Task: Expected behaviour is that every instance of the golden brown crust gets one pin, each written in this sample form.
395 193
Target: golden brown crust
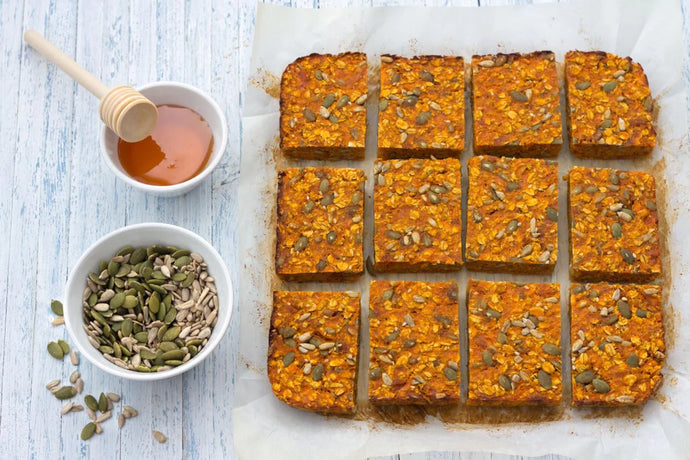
614 227
319 226
609 106
617 337
414 344
417 215
514 343
512 215
516 105
322 112
421 107
312 353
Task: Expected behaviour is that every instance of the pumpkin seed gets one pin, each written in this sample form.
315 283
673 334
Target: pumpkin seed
488 358
600 386
544 379
423 118
606 124
641 313
616 230
648 103
502 338
584 377
628 256
512 226
288 358
552 214
624 309
55 350
328 100
451 374
512 186
610 86
65 392
342 102
301 244
518 96
102 402
504 382
88 431
56 306
551 349
64 346
91 402
383 104
491 313
317 373
309 115
582 85
633 360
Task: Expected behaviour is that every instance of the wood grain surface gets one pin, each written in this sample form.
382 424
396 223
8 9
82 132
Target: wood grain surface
57 197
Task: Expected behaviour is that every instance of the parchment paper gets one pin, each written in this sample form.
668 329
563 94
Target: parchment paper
649 32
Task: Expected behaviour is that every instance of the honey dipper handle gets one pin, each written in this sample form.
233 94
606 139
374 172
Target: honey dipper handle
71 68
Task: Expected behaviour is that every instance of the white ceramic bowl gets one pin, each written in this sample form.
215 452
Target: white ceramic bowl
168 92
145 235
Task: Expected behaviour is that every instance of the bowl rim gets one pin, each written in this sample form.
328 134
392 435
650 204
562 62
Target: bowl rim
190 183
219 330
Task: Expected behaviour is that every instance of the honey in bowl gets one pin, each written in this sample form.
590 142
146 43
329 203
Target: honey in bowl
177 150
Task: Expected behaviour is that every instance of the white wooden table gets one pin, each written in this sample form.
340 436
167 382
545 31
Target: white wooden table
57 197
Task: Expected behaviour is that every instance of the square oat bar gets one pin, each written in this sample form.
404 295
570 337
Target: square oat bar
322 112
417 215
421 107
319 226
414 344
614 226
609 106
514 343
516 105
312 352
617 337
512 215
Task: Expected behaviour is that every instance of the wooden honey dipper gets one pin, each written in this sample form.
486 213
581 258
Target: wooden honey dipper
123 109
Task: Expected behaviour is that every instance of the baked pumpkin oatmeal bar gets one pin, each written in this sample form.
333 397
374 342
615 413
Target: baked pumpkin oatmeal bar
516 105
322 107
617 337
417 215
319 225
514 343
414 344
609 106
512 215
312 352
421 107
614 226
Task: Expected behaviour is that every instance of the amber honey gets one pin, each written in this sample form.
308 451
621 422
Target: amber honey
177 150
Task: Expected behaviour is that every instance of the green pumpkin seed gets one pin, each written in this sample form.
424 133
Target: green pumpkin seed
172 354
641 313
65 392
64 346
301 244
628 256
331 237
610 86
309 115
288 358
551 349
147 354
584 377
375 373
327 199
102 402
393 234
616 230
173 362
600 386
606 124
491 313
633 360
141 337
624 309
505 382
544 379
383 104
130 302
55 350
423 118
342 102
392 336
328 100
167 346
182 261
488 358
56 306
426 76
286 332
317 372
451 374
323 186
171 334
138 256
519 96
154 303
124 251
113 268
502 338
91 402
582 85
512 226
552 214
88 431
512 186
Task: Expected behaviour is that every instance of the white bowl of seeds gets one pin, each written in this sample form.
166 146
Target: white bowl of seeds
148 301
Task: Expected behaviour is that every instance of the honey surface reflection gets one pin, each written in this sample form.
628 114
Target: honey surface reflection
177 150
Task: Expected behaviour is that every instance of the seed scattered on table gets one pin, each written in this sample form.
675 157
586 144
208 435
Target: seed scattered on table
158 436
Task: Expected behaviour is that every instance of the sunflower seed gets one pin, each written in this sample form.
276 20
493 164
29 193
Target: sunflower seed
121 420
158 436
74 358
386 379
